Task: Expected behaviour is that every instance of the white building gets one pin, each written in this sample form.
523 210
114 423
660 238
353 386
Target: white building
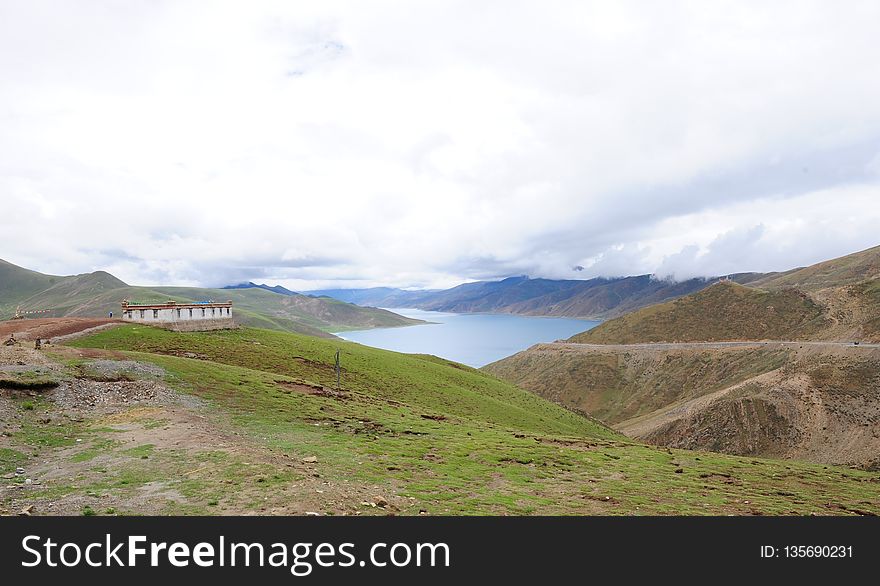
201 315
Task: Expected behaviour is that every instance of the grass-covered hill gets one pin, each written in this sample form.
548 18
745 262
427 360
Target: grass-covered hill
17 283
423 382
724 311
98 293
249 421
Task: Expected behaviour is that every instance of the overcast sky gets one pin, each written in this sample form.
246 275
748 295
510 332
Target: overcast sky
422 144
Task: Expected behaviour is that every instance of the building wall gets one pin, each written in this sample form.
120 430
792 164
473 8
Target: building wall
178 314
183 319
197 325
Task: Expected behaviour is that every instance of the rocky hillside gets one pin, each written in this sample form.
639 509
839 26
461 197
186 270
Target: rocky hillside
822 406
812 401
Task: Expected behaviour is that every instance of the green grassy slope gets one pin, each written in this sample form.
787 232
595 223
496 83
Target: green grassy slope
17 284
724 311
81 295
416 380
431 435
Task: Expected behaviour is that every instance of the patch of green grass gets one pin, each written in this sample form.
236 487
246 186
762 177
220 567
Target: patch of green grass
143 452
52 435
29 380
149 423
98 447
10 459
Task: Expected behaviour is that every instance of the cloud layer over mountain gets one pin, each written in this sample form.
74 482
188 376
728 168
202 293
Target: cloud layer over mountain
422 144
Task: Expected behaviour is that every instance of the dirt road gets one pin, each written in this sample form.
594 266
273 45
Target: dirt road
56 328
710 345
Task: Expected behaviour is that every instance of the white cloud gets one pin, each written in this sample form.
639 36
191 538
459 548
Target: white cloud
404 144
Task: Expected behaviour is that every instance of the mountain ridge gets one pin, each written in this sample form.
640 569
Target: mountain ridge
98 293
597 298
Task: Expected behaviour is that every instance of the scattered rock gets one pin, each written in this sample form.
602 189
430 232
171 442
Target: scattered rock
310 459
433 417
19 471
27 511
380 502
679 470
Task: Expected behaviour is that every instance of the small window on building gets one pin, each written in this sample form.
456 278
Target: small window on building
142 314
190 312
203 312
213 312
178 314
155 314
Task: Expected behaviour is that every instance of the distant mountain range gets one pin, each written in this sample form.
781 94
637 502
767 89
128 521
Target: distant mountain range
250 285
599 298
99 293
835 300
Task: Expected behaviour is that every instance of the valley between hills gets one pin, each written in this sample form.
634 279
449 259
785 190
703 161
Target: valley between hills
733 399
787 366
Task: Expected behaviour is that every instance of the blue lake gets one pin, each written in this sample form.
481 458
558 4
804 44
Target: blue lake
475 339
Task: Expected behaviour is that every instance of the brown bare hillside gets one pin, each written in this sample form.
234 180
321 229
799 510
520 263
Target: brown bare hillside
824 408
614 383
813 401
846 270
724 311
